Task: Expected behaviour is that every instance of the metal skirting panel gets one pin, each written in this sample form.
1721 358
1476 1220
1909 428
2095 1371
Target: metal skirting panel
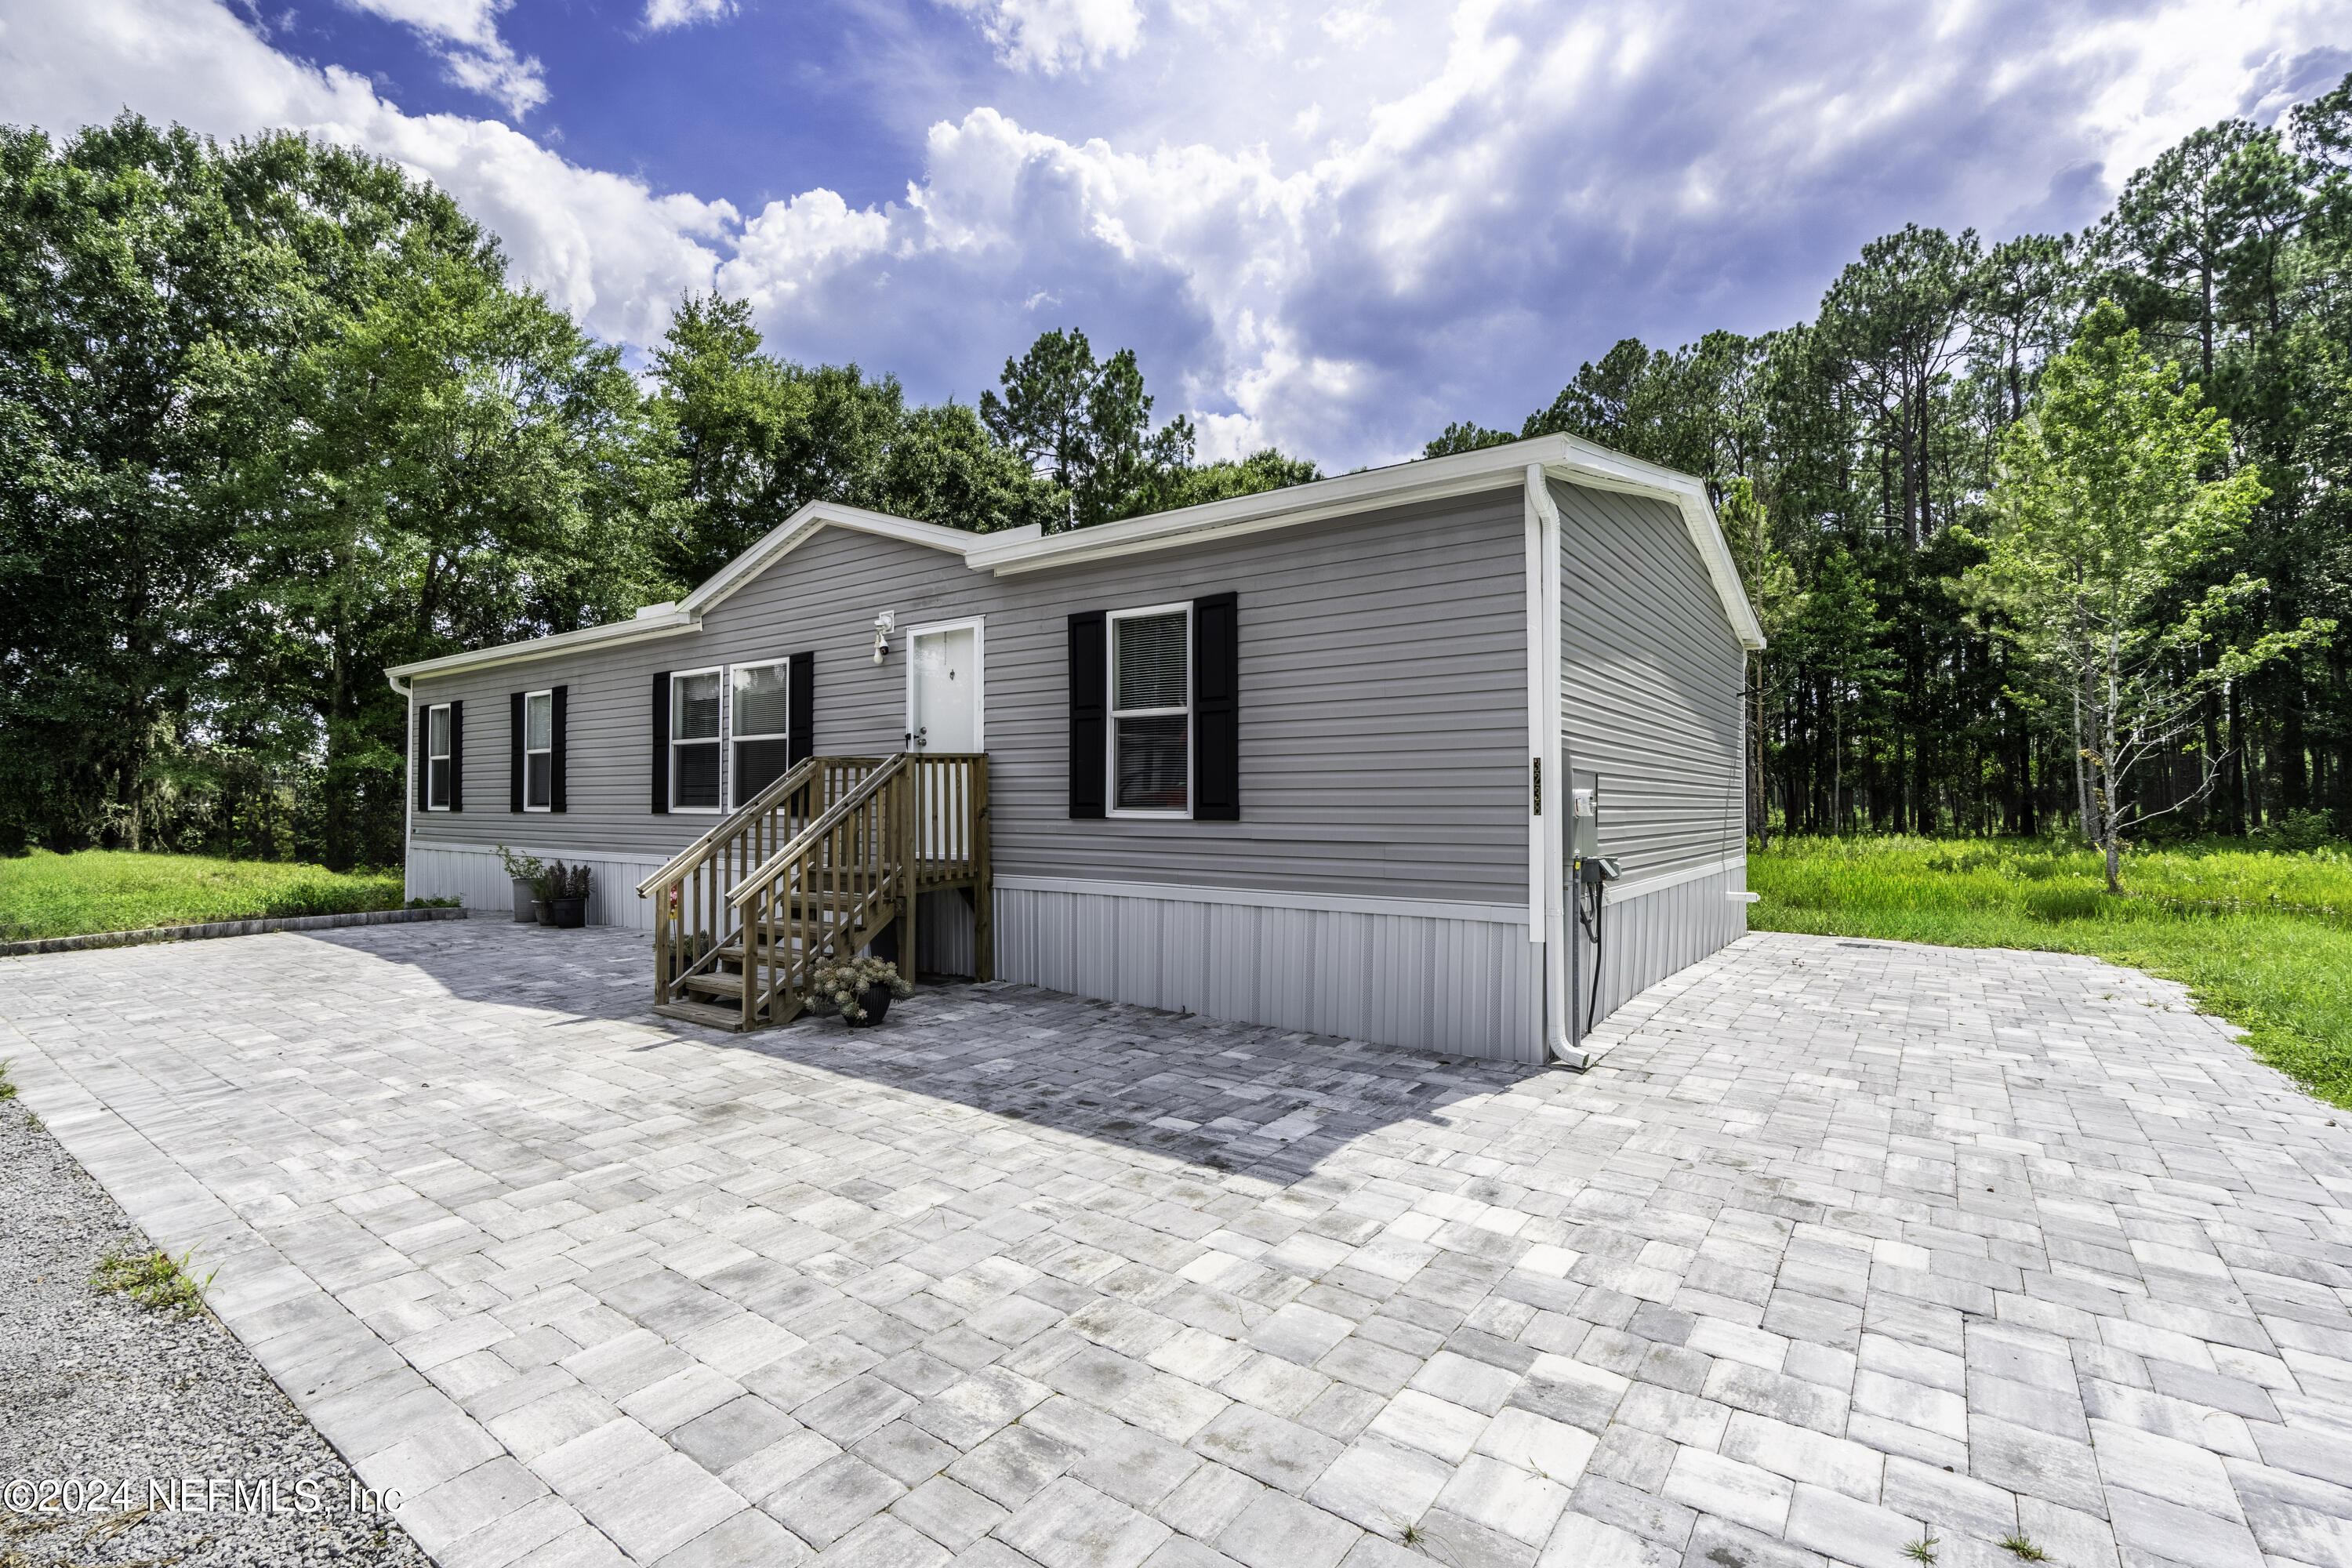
1471 987
478 879
943 934
1652 936
943 930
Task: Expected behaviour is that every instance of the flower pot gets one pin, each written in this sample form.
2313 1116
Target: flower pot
544 911
567 913
525 906
876 1002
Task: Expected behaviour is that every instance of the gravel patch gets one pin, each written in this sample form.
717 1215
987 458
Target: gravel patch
142 1409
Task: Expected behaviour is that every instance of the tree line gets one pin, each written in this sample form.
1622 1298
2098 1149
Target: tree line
1868 462
273 417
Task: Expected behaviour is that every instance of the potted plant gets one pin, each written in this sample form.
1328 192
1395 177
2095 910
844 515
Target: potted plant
567 897
859 989
526 870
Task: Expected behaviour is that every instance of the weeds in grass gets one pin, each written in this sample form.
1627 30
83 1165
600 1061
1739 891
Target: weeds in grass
154 1278
1411 1534
2022 1549
104 1531
2260 937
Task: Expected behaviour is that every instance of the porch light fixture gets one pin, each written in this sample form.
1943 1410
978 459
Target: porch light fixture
884 624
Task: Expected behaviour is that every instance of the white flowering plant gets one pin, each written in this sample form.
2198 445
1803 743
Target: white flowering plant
840 984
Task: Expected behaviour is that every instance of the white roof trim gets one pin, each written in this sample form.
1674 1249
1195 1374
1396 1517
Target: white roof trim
686 615
796 530
1030 548
1565 458
669 623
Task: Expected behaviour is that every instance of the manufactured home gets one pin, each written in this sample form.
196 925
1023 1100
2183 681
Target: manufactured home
1446 755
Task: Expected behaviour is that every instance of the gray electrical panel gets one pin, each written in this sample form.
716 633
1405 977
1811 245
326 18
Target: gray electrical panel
1583 814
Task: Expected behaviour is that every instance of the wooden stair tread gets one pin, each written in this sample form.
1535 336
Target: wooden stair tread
702 1012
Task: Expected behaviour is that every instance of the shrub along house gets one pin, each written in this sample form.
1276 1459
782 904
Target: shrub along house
1299 758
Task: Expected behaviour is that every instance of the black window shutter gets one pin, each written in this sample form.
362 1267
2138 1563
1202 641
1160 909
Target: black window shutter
421 768
800 709
555 756
1089 725
661 744
1216 709
456 756
514 754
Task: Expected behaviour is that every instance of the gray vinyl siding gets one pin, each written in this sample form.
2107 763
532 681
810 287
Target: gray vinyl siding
1382 712
1651 674
822 597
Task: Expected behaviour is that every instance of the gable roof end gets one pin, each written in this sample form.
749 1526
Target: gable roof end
685 615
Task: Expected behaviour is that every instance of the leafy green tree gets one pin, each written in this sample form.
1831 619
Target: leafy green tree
759 437
1266 470
126 254
2101 510
1086 428
1836 636
2168 247
1892 321
2018 311
450 464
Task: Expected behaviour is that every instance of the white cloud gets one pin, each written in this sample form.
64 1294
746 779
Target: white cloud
603 247
795 244
465 34
661 15
1436 216
1054 36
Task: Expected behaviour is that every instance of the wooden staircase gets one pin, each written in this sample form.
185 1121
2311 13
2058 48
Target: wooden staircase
832 856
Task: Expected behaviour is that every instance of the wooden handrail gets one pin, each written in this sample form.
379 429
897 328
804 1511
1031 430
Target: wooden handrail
876 834
799 773
755 880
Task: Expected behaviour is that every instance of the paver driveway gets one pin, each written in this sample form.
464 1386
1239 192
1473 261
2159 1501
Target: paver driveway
1841 1244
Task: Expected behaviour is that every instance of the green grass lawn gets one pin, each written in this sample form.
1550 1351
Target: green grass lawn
2263 939
108 890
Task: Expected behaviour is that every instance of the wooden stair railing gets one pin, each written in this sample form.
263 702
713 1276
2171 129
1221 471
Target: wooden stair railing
884 831
692 919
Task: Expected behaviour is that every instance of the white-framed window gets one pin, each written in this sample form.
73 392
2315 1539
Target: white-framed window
539 751
696 698
436 757
1151 712
761 696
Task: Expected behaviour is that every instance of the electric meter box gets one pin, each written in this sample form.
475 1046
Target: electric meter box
1584 821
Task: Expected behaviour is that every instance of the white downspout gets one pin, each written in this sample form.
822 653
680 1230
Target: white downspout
1546 805
408 790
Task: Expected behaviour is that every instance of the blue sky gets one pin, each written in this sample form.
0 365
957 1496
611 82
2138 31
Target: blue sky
1334 224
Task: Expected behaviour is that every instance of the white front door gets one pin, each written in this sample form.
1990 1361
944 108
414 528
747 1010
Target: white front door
943 716
943 699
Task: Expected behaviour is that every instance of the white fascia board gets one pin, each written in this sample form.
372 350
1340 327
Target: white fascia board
1568 458
1705 532
687 616
644 629
1399 484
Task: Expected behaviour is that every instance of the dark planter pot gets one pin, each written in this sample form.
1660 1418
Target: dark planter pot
877 1004
544 911
564 914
